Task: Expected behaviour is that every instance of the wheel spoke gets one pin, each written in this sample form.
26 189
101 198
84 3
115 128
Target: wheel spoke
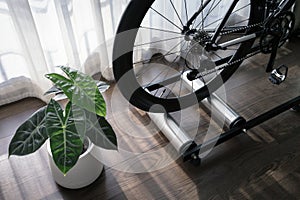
186 13
166 54
166 19
201 22
172 64
158 75
158 85
174 38
159 57
214 22
176 13
169 52
208 12
241 8
164 78
159 29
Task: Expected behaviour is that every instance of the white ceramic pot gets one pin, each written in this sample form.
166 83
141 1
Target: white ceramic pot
85 172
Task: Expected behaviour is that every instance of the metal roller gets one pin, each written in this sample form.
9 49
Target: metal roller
222 111
177 137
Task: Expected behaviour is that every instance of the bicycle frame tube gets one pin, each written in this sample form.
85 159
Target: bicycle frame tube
226 17
195 15
238 40
284 5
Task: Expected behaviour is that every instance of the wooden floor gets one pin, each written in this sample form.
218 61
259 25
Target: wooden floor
264 164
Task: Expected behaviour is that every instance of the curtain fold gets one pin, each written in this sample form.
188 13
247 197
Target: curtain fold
28 36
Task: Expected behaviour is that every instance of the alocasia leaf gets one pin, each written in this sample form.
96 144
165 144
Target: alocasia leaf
102 86
65 142
52 90
30 136
79 118
100 132
81 89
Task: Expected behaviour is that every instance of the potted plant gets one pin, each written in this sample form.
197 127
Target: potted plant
71 130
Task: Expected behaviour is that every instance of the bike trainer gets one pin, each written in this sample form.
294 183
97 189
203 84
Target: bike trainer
235 123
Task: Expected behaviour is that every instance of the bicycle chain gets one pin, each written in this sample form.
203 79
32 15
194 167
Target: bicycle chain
215 70
242 29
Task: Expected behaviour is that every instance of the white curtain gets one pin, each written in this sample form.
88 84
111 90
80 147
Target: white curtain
37 35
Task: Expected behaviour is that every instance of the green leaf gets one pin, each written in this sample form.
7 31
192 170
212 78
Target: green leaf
65 142
100 132
79 118
81 89
52 90
30 136
102 86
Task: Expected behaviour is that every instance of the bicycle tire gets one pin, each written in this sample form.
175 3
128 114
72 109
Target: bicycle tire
125 76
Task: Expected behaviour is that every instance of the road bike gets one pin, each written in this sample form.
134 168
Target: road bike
161 45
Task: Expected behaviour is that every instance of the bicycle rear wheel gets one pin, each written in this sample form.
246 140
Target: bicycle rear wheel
156 56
